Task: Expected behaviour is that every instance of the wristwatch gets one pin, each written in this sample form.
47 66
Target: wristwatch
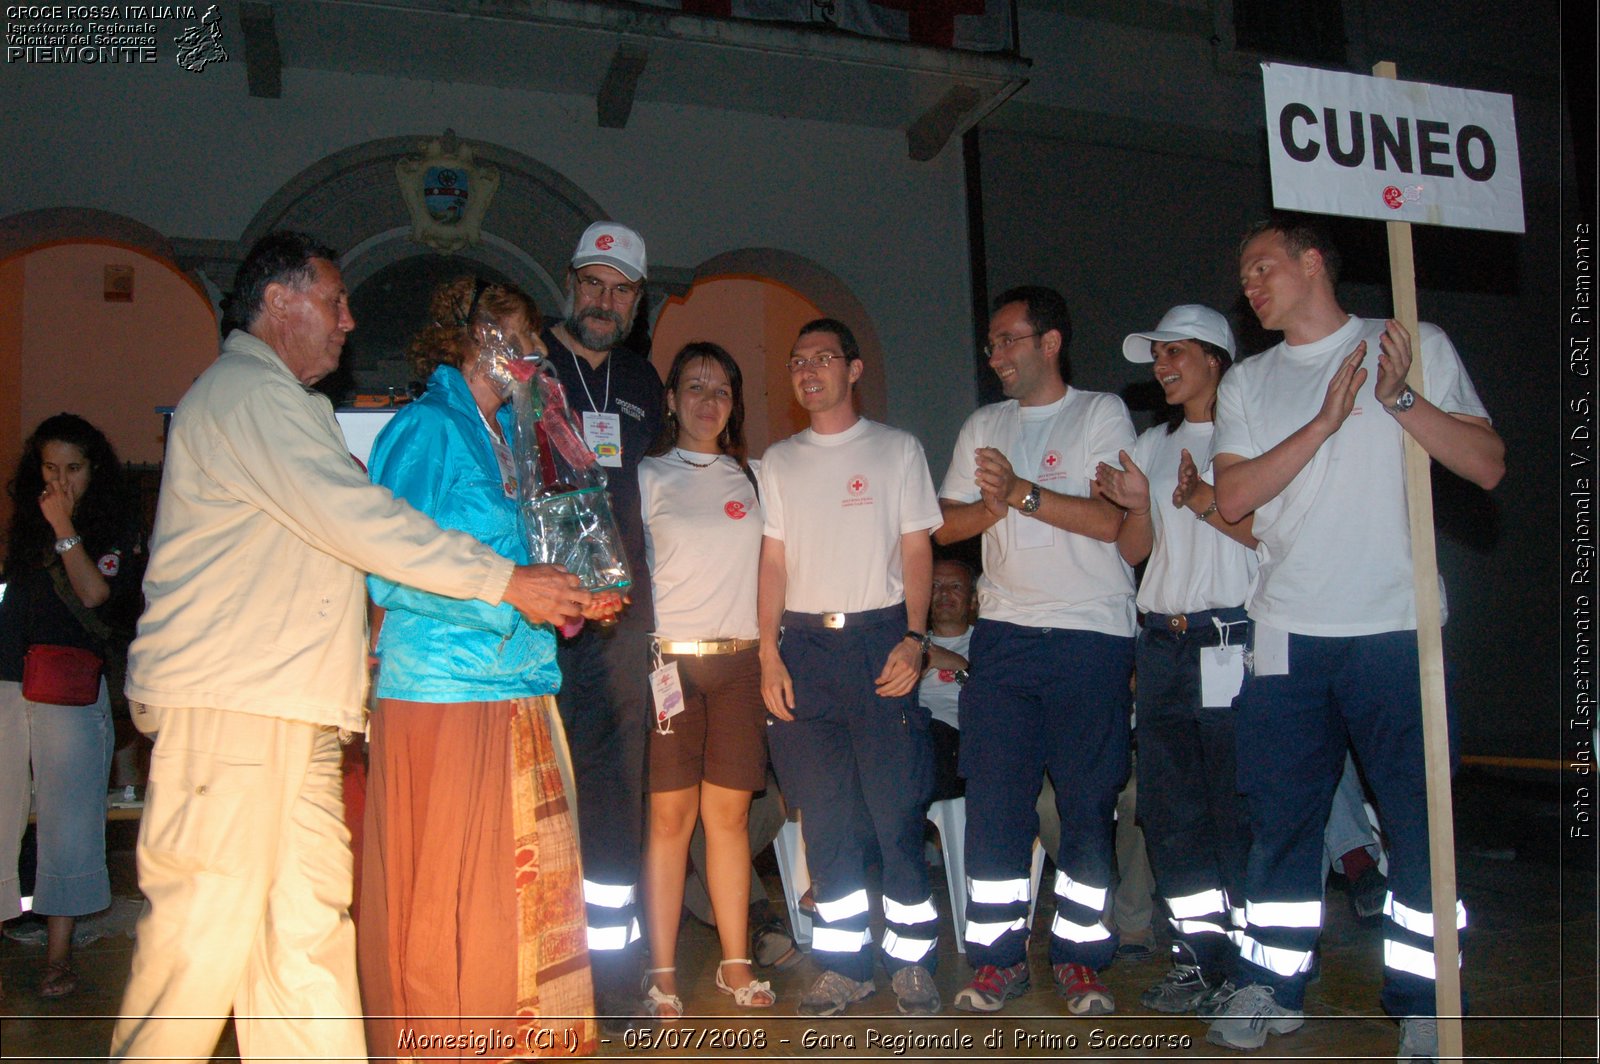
64 545
924 638
1030 501
1404 401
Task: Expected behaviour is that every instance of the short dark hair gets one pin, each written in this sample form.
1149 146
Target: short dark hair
281 257
1301 233
1046 309
847 339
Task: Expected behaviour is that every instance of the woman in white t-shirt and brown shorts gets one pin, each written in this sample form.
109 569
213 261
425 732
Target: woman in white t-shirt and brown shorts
703 522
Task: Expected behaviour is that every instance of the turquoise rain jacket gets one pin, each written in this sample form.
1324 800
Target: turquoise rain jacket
436 455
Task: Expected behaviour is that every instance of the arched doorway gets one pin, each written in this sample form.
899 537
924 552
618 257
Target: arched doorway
753 302
98 319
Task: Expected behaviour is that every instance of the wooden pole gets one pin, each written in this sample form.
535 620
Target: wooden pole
1430 657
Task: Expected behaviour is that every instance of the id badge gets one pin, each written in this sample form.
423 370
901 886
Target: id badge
1270 655
1221 674
667 692
602 433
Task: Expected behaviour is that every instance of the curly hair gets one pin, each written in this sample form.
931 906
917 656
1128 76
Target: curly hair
455 307
105 512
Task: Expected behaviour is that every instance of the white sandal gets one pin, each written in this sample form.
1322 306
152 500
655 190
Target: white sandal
756 994
662 1006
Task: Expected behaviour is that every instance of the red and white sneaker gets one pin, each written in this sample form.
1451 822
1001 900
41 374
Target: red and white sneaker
1085 995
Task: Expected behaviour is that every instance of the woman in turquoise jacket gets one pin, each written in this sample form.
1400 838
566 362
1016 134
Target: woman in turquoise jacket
471 893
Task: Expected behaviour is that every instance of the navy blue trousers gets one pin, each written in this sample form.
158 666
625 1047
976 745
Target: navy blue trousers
603 705
1042 699
1195 823
1292 736
859 767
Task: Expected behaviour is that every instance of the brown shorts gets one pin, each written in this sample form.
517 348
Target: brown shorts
721 735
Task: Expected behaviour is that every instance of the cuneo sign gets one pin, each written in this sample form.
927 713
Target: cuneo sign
1396 151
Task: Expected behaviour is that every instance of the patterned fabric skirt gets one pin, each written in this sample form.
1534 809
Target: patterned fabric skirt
471 935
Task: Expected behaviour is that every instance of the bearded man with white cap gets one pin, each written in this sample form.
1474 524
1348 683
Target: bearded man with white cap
617 394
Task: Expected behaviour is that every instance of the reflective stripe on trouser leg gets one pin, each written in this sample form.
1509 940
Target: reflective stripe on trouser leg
611 915
1408 942
1281 936
839 932
910 932
1078 909
994 907
1201 921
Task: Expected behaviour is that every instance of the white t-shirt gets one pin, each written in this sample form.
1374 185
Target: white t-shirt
939 693
1192 566
702 540
1067 580
840 504
1336 543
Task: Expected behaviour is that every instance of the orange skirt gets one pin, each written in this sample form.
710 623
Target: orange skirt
471 935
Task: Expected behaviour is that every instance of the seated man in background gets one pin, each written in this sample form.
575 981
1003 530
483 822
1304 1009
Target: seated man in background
955 600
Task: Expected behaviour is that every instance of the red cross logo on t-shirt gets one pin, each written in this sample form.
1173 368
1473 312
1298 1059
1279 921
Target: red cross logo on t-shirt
1052 459
857 485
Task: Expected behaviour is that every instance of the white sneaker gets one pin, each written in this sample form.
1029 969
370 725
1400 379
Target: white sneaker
1248 1016
1419 1039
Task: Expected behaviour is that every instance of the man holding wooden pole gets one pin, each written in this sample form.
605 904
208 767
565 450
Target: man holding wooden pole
1309 436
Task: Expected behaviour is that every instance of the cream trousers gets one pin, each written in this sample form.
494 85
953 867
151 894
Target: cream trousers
245 865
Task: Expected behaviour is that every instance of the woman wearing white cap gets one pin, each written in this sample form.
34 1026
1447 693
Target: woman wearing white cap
1191 599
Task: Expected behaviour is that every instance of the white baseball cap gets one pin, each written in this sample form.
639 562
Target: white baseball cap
1187 322
614 245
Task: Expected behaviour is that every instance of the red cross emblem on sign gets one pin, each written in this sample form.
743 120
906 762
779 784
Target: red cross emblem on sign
857 485
1052 460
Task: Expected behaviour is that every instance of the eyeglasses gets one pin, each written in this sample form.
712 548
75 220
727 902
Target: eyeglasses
594 289
796 365
990 349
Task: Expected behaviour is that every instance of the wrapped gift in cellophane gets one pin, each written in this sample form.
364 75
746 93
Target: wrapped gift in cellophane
561 487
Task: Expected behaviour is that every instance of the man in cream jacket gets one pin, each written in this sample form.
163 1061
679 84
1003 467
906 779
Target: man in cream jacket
250 667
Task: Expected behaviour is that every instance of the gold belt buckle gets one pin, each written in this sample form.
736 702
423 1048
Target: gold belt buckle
1179 623
833 620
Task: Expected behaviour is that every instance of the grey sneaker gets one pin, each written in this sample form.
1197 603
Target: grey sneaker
832 993
914 988
1248 1016
992 987
1419 1038
1183 988
1210 1006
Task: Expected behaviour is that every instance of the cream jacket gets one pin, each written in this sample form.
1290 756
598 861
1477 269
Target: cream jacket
255 595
